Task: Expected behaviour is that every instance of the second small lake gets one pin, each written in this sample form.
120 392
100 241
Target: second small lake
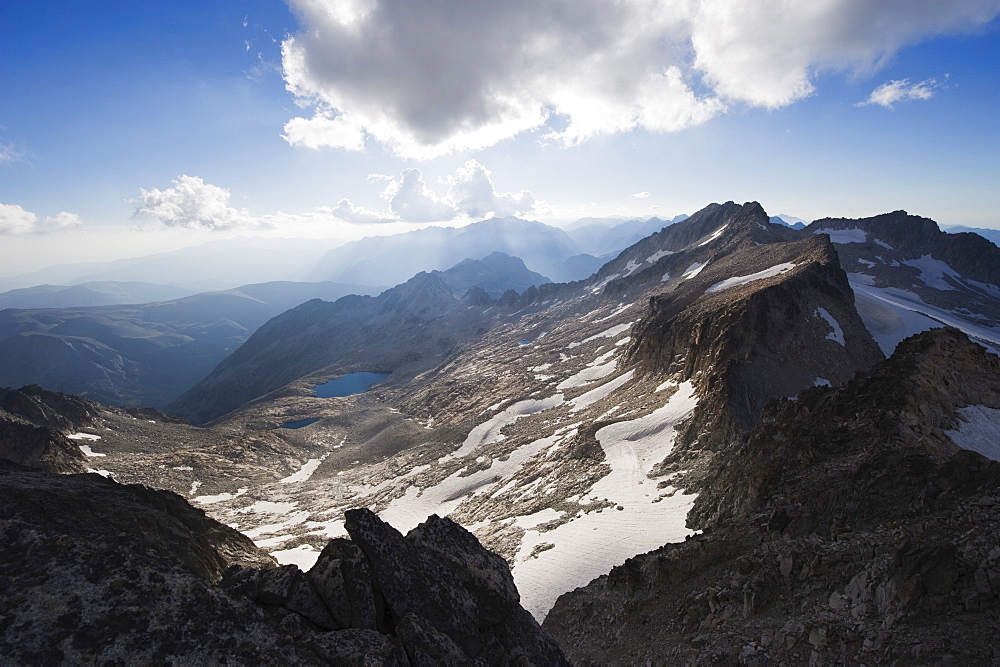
348 385
300 423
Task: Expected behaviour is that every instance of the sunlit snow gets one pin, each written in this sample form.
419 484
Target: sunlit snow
591 544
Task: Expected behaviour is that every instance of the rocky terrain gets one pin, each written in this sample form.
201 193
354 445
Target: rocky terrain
847 528
95 572
574 427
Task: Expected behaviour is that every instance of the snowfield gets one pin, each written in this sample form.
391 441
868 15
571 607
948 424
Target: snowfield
644 518
775 270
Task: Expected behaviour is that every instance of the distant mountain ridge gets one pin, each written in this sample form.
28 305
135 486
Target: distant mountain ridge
106 293
415 322
144 354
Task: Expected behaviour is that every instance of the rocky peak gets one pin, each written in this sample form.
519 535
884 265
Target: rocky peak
913 237
761 323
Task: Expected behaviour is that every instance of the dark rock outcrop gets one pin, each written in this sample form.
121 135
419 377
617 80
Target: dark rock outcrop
438 581
92 571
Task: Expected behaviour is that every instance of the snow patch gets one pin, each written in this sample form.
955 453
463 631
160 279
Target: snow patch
775 270
303 555
659 254
489 431
83 436
587 375
714 235
632 267
305 472
208 500
416 504
837 334
87 451
594 395
607 333
933 271
980 431
693 270
821 382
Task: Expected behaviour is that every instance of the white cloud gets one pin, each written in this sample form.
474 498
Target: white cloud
473 193
900 90
15 220
63 221
194 204
425 79
345 210
642 195
411 200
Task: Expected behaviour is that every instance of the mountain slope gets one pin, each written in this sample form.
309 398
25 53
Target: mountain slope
144 354
847 527
557 459
572 427
89 294
909 276
408 327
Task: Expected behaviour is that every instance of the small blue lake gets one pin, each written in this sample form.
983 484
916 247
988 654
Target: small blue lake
300 423
348 385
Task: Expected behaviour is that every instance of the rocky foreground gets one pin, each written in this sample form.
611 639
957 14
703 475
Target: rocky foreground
92 571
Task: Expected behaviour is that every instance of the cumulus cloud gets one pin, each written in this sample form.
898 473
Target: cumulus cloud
471 192
194 204
63 221
901 90
642 195
15 220
427 79
411 200
345 210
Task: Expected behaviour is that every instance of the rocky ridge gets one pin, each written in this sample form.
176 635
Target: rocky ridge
847 527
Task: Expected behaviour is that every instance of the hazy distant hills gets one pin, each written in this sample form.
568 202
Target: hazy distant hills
106 293
394 259
217 265
992 235
601 237
143 354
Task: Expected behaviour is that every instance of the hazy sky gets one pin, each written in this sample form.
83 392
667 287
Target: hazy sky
127 126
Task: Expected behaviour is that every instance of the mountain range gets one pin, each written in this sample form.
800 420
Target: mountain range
735 442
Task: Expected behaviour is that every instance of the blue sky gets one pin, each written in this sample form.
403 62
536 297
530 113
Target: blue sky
127 127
